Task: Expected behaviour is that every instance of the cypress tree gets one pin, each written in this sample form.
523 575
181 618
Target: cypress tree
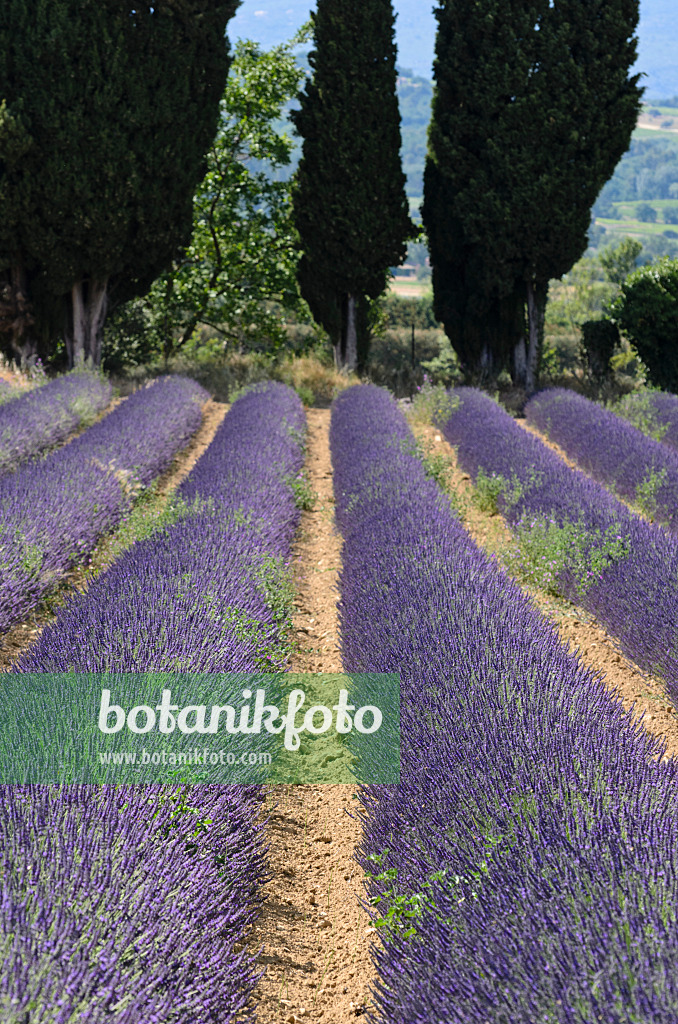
350 207
108 111
533 107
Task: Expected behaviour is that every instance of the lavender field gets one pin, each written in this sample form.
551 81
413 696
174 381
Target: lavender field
338 622
524 868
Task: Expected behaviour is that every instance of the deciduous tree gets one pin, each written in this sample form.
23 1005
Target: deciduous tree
646 310
244 250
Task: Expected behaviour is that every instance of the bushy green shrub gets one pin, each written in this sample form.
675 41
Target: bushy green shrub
647 312
599 339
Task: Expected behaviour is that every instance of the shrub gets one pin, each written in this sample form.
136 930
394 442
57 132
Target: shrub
598 340
646 213
647 312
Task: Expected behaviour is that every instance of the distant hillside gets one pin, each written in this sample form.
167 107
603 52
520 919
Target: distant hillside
273 21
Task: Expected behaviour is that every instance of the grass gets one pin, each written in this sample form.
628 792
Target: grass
635 227
666 111
655 133
409 289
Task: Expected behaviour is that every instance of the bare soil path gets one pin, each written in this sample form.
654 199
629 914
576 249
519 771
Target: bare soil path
20 637
313 932
645 694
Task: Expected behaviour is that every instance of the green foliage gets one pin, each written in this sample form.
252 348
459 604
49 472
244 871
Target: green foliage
444 367
618 261
238 273
349 200
599 339
488 490
647 491
432 403
517 155
274 578
401 912
436 468
547 550
401 312
647 313
638 410
646 213
107 117
304 495
583 294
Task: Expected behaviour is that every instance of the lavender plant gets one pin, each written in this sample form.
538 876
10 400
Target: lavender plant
44 417
653 412
182 593
54 510
616 565
525 868
7 392
140 900
618 455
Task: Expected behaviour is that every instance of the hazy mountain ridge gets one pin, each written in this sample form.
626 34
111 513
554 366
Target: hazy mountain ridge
273 21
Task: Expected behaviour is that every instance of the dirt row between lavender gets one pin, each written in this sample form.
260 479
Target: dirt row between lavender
22 634
314 932
644 694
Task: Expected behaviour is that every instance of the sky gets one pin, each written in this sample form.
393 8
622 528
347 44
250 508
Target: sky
273 21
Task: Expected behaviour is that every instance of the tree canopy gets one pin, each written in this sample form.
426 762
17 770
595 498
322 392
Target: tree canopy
350 206
646 311
108 111
533 107
239 268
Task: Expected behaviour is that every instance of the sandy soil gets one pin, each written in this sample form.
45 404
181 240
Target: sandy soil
645 694
313 932
23 634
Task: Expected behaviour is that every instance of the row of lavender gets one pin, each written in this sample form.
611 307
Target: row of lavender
527 863
653 412
43 418
612 451
113 917
53 511
614 564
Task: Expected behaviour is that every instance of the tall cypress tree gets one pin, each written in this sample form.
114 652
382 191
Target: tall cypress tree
109 110
533 108
350 206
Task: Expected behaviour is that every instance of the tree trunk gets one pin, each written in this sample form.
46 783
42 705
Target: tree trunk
486 362
16 317
346 350
85 323
351 334
520 364
536 309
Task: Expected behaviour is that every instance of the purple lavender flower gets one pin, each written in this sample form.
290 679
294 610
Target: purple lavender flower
526 867
612 451
53 511
44 417
633 595
116 909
